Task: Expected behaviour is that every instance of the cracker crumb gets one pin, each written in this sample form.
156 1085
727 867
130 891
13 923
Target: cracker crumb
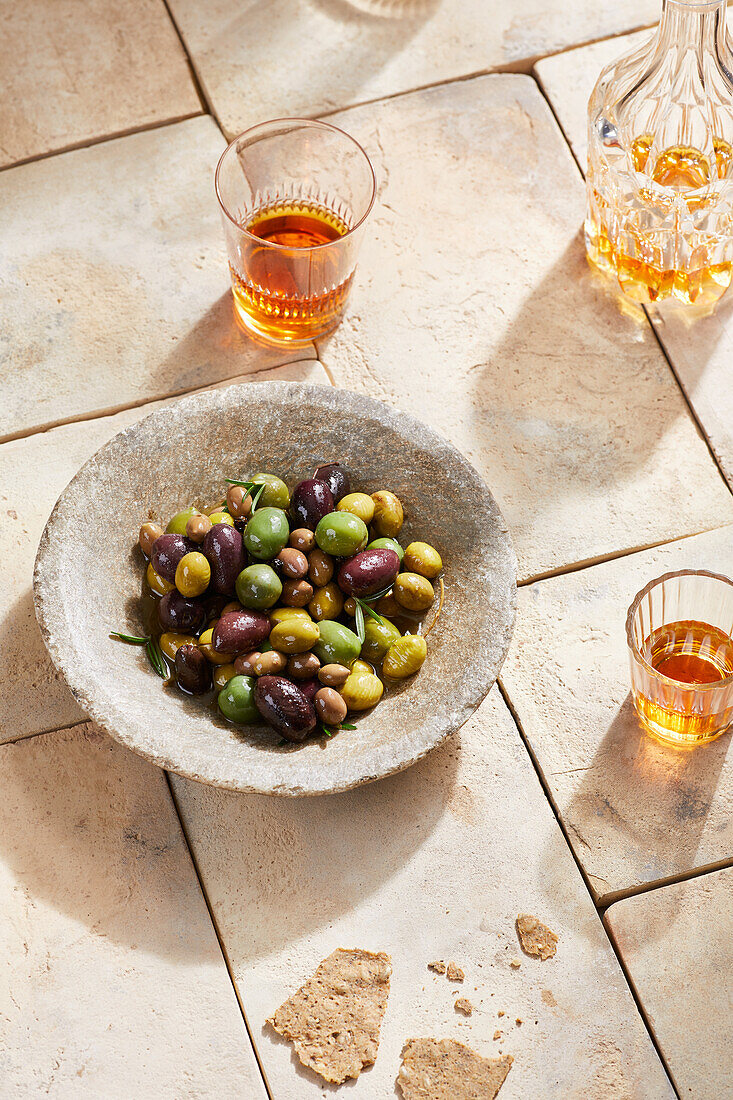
518 1022
515 964
500 1012
535 938
463 1005
449 1070
497 1034
438 966
454 973
548 998
333 1020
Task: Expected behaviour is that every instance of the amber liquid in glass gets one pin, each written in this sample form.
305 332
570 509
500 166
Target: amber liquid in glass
292 292
691 653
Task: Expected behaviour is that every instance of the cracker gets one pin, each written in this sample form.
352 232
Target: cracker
334 1019
454 973
443 1069
438 966
536 938
462 1004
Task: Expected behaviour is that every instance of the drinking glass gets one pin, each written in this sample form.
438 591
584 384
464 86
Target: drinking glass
678 631
295 196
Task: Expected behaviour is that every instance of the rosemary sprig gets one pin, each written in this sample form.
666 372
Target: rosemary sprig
245 484
131 639
155 657
369 610
359 621
343 726
347 726
377 595
256 498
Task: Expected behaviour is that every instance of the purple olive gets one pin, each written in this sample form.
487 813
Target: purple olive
166 553
336 478
368 572
310 687
224 551
310 502
240 632
180 614
285 707
193 671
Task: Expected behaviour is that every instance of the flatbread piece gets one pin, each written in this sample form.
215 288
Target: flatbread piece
334 1019
443 1069
535 937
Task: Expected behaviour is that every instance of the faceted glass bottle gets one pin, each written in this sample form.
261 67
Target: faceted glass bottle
660 160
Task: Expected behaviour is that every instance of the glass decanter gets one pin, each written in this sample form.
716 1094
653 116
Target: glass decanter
660 160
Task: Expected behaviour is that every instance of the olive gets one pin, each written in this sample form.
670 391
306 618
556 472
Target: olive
206 647
166 553
233 605
225 553
335 477
293 563
193 574
275 493
388 514
405 656
387 544
387 605
333 675
341 534
198 528
330 706
193 671
179 614
258 587
297 593
302 539
157 583
359 504
171 643
221 517
422 558
327 603
349 605
320 568
337 644
362 690
149 532
177 525
281 614
245 663
369 572
222 675
236 701
239 502
266 533
269 664
378 637
303 666
284 707
311 501
240 631
414 592
309 688
294 636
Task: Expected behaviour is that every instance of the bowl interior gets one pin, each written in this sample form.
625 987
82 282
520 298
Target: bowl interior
89 576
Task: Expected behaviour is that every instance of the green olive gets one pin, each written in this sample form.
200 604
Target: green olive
258 587
422 558
387 544
327 602
222 675
337 644
159 585
341 534
405 656
275 494
221 517
359 504
177 525
294 636
266 533
237 701
414 592
193 574
378 637
388 513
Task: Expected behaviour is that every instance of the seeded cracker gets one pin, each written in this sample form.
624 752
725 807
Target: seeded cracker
438 966
443 1069
462 1004
454 973
334 1019
535 937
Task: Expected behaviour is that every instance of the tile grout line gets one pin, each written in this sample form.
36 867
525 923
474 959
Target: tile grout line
217 932
196 77
548 795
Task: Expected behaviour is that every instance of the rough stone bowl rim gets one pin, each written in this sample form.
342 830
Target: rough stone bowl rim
62 652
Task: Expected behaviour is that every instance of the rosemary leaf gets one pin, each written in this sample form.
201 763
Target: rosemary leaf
131 639
347 726
359 622
328 732
256 498
156 659
245 484
377 595
369 610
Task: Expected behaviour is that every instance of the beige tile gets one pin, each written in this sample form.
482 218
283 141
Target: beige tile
291 57
113 279
114 983
635 811
475 310
700 348
433 863
676 943
74 73
33 471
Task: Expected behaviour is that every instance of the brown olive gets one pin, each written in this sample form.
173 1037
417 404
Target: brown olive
193 671
296 593
320 568
302 539
149 532
330 707
269 664
239 502
333 675
293 563
285 707
388 606
197 528
233 605
350 606
303 666
388 514
245 663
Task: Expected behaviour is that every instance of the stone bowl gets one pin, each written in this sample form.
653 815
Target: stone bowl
89 570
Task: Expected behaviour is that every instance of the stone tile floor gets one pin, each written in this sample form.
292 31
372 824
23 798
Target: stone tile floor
150 936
